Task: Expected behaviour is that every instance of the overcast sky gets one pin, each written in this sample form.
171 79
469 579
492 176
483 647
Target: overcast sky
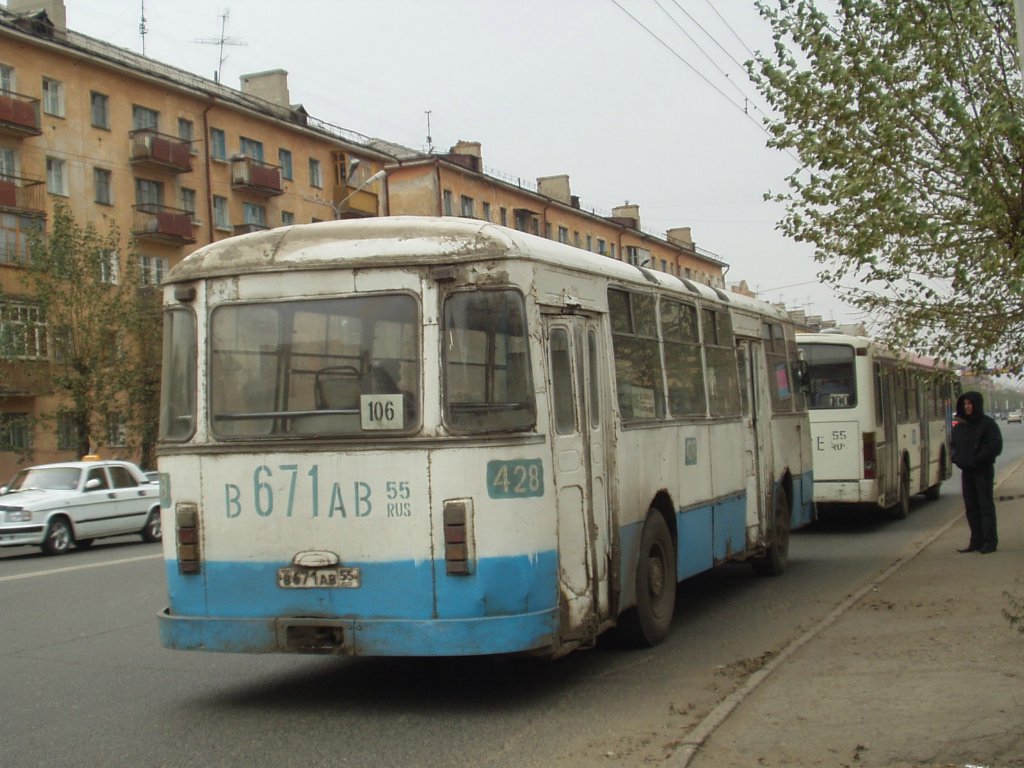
547 87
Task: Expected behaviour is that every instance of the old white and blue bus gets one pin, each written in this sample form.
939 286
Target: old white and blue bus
880 422
436 436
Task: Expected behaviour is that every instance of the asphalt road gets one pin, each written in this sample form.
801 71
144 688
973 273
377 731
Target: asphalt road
84 680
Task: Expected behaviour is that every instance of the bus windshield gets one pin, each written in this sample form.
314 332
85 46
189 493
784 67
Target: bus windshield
327 366
831 373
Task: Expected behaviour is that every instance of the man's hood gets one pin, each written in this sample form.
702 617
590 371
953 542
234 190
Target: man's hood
975 398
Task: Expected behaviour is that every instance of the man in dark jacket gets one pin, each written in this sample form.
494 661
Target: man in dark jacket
976 443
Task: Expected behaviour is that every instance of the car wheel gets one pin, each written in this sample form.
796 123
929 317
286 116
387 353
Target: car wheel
776 555
58 537
648 623
152 531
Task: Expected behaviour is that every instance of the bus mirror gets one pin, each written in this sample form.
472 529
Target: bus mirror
803 377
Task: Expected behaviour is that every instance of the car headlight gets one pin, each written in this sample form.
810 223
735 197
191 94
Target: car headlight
19 516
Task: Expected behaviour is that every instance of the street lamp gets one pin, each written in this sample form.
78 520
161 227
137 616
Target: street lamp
339 206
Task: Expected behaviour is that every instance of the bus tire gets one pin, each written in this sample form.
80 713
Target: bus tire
58 537
932 492
902 507
649 621
776 555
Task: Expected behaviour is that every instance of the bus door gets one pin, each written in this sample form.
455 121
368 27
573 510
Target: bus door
578 443
886 453
925 406
756 405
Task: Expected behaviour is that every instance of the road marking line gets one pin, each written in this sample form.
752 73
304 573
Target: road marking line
78 568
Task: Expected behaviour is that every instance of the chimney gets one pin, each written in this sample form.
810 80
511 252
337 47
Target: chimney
271 86
54 10
555 187
627 215
680 236
467 154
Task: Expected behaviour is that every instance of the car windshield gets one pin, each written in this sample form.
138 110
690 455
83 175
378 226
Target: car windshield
46 478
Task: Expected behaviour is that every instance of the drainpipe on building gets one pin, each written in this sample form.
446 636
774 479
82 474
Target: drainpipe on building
437 182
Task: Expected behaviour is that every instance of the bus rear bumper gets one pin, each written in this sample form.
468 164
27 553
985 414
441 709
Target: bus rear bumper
361 637
845 492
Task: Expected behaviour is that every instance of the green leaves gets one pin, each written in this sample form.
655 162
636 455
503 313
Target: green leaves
908 120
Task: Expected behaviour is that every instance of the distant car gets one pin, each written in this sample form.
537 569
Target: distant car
1013 417
56 505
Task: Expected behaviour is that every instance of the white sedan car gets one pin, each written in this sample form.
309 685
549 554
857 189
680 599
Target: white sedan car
56 505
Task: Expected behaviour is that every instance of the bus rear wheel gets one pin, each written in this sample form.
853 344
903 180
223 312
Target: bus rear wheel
776 556
648 623
902 507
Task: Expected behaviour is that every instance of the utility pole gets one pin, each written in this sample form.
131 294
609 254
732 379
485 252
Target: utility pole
142 27
221 42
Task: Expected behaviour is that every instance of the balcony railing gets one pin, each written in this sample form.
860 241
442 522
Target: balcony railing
19 114
22 194
157 150
362 202
25 378
162 224
255 176
245 229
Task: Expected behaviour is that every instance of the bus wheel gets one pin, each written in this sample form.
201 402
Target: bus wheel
648 623
932 492
902 508
58 537
776 555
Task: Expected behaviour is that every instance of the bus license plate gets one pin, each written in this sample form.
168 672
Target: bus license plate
309 578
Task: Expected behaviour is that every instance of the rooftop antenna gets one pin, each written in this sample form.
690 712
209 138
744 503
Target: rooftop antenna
142 27
221 42
430 141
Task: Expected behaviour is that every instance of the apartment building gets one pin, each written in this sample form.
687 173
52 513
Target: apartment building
177 161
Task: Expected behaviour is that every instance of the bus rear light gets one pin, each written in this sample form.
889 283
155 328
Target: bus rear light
870 459
458 536
186 525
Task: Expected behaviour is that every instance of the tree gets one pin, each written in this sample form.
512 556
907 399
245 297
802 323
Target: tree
907 119
103 329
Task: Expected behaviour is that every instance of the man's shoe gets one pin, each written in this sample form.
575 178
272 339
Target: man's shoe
968 548
988 549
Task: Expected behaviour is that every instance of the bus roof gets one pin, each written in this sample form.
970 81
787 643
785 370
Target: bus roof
419 240
865 342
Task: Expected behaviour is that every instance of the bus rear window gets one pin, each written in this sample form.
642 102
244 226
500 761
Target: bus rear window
315 367
831 376
487 382
178 383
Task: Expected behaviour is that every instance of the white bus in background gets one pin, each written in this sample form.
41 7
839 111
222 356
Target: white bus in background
436 436
880 422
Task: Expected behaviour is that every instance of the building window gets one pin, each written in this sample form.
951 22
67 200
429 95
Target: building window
22 331
188 202
590 243
487 211
56 177
8 164
16 232
149 193
14 432
109 268
503 216
67 433
53 97
99 110
101 181
152 269
255 215
466 206
287 218
284 159
576 238
449 203
563 234
117 430
315 179
145 118
220 212
251 148
186 130
601 247
612 246
547 230
218 144
7 83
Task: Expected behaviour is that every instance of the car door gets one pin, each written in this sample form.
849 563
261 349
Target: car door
91 509
129 500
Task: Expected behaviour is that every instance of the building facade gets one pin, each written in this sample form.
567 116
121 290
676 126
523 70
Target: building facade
177 161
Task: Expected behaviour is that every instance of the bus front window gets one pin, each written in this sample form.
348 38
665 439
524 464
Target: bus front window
315 367
487 382
830 372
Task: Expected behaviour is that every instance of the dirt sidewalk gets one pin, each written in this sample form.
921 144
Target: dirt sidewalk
922 670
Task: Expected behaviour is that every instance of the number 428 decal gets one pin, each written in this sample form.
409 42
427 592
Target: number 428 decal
515 479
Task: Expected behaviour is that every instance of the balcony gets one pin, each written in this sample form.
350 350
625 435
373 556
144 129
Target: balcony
254 176
150 149
352 202
19 115
245 229
25 378
23 195
158 223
